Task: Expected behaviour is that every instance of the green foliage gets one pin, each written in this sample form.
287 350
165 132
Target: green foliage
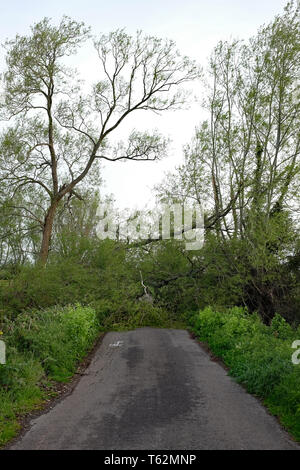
281 328
20 390
242 166
131 315
257 356
37 287
57 337
42 346
54 117
230 272
95 272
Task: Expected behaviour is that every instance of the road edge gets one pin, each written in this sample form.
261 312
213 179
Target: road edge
62 390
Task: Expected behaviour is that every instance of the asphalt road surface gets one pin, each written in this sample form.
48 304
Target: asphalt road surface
155 389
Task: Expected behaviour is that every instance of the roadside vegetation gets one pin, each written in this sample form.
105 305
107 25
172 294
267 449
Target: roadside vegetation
43 347
61 286
258 356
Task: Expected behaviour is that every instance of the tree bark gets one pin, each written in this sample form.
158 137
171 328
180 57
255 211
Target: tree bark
47 232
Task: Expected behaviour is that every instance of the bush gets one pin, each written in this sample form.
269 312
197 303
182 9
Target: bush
58 338
128 314
37 287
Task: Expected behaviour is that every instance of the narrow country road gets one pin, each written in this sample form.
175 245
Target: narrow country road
155 389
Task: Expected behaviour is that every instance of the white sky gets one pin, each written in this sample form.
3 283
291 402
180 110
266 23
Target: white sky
195 25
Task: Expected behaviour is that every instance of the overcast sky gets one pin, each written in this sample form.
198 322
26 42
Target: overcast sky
195 25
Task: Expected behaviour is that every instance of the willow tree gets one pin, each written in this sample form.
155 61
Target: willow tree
58 134
243 164
244 159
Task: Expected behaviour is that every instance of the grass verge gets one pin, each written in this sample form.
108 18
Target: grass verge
43 347
258 356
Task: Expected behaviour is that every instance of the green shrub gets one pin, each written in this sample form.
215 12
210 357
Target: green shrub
281 328
57 337
133 314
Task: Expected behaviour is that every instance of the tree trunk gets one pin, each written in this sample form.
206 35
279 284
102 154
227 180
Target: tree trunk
47 232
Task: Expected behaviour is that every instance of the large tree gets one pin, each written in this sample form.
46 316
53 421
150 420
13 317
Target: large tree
243 162
59 134
243 166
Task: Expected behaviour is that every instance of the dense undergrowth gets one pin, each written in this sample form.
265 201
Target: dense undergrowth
43 347
258 356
